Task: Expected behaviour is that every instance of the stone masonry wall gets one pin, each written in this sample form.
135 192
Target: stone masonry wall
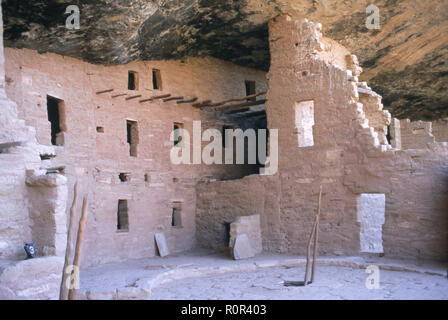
19 157
415 134
20 162
96 156
348 158
440 130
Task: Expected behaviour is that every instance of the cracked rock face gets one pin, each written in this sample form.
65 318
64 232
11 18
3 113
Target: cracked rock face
404 61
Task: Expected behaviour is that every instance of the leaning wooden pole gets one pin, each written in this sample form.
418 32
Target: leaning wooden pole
308 249
316 235
63 293
77 260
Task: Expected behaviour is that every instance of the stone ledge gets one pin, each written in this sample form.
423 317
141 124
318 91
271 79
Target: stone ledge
49 180
32 279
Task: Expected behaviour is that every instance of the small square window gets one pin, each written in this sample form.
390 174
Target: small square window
156 79
177 127
124 177
132 80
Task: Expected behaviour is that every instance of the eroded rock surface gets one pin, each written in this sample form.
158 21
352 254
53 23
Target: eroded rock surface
404 60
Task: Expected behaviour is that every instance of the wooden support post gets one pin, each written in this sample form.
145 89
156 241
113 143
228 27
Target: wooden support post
252 114
313 234
237 111
104 91
187 100
316 235
308 249
78 250
134 97
240 105
216 104
63 293
173 98
119 95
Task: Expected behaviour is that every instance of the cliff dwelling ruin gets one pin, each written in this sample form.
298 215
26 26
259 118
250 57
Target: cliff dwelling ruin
200 152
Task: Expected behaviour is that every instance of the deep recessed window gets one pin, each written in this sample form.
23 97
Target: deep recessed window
225 139
124 177
55 113
250 89
122 216
176 219
177 127
388 135
132 80
226 228
156 79
132 137
100 129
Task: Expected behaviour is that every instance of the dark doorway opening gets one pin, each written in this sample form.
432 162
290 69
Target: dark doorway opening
54 111
176 220
226 233
132 137
156 79
132 80
250 89
122 216
388 135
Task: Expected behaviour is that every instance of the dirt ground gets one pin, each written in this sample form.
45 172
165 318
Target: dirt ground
338 283
202 274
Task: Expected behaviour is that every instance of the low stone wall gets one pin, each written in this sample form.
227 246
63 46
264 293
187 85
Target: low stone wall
440 130
416 134
220 203
33 279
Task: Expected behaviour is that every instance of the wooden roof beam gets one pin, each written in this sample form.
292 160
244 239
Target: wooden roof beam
104 91
240 105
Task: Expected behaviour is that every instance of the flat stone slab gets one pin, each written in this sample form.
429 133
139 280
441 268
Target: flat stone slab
161 244
242 248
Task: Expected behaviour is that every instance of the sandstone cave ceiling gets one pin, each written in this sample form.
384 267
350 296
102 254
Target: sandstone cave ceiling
404 61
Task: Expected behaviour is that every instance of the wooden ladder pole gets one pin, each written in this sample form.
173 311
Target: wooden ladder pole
77 260
316 235
308 249
63 293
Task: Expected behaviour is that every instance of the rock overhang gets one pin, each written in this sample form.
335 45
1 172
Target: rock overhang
404 60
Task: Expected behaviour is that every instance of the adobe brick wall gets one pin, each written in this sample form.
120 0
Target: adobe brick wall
95 159
416 134
19 159
348 158
440 130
